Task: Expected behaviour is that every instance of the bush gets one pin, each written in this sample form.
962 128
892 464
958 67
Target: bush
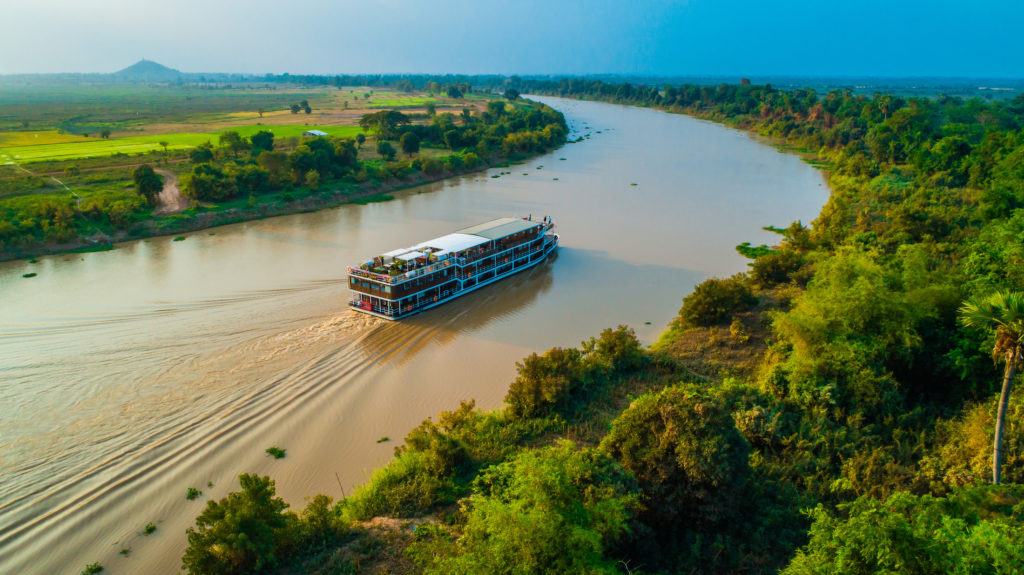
616 349
406 487
245 532
544 383
690 462
550 510
975 530
714 301
775 268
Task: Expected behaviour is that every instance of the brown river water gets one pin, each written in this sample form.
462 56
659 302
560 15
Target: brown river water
130 375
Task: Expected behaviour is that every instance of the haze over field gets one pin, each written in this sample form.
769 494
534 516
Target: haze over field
699 37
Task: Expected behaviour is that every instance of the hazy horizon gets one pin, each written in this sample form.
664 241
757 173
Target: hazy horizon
872 39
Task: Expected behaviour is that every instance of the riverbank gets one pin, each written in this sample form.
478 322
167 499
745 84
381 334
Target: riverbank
266 206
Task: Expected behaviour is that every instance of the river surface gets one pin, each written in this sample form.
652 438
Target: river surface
130 375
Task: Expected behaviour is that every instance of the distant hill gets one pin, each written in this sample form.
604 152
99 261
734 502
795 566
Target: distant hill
148 71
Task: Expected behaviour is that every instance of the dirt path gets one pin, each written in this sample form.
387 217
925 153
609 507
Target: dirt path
170 198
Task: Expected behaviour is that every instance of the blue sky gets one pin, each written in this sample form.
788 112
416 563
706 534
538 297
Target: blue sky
657 37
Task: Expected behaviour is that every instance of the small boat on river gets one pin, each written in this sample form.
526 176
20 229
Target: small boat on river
406 281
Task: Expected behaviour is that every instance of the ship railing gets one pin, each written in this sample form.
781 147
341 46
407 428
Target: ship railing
488 253
394 279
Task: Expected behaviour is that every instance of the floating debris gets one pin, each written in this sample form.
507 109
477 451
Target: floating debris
29 275
179 239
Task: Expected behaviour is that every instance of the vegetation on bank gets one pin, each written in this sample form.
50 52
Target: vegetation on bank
831 410
254 174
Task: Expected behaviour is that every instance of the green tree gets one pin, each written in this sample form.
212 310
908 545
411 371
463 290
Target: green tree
105 134
431 109
973 530
276 165
550 510
295 108
312 179
384 123
687 454
148 183
262 141
164 144
1004 312
454 92
202 153
511 94
410 143
245 532
360 139
386 150
714 301
545 383
232 141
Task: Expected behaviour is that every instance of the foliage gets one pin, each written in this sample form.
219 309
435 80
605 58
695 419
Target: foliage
550 510
715 300
973 530
410 143
545 382
385 150
148 183
276 452
689 459
242 533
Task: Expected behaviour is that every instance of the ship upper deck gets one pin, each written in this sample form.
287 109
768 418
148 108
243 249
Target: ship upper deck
437 251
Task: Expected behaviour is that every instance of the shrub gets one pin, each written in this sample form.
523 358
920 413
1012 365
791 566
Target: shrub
544 383
715 300
276 452
687 455
550 510
775 268
974 530
616 349
243 533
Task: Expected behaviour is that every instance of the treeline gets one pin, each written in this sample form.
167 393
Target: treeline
861 441
247 167
36 210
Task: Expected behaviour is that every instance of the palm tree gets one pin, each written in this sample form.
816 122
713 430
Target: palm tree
1003 311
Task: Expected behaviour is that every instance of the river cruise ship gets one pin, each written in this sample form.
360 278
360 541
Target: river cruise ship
406 281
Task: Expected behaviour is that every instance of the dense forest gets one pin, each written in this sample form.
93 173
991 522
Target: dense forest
831 410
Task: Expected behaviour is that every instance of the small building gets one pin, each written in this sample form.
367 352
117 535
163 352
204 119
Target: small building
314 134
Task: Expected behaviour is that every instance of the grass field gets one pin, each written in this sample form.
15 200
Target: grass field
50 146
390 101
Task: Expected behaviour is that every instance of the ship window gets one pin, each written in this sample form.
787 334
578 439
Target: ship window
387 289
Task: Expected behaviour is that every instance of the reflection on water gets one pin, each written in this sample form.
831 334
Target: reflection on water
127 376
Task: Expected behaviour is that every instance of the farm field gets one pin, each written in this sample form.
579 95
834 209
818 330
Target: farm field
53 146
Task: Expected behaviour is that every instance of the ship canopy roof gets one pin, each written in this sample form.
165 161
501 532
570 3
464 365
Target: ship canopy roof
499 228
464 238
451 243
410 255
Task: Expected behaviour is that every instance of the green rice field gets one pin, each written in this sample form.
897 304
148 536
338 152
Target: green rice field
95 147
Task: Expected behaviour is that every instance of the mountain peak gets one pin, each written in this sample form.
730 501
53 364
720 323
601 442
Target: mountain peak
148 70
